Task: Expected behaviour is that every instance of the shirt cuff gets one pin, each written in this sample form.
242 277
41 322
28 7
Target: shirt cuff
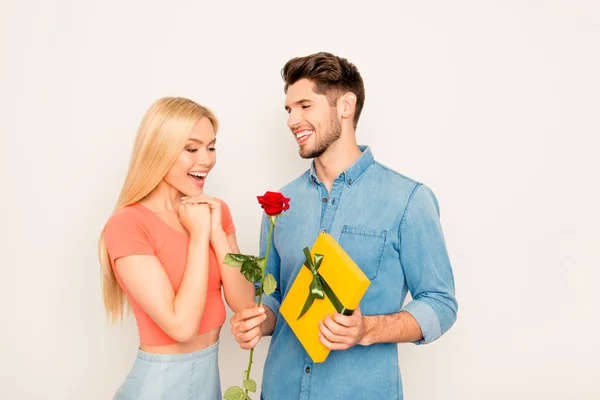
426 318
270 302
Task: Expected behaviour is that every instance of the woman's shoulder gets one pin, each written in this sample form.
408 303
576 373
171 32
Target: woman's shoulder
127 217
128 233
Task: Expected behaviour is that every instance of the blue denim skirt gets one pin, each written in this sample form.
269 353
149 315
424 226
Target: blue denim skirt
190 376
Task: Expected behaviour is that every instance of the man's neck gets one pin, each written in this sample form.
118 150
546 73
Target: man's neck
337 158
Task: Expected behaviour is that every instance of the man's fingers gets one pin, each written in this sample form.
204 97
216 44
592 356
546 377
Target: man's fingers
248 340
333 326
348 320
246 314
345 320
328 334
249 324
338 334
245 326
254 342
251 344
247 336
330 345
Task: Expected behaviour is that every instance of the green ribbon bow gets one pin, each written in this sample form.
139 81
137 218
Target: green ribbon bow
319 287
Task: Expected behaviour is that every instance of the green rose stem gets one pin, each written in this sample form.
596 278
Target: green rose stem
253 269
262 281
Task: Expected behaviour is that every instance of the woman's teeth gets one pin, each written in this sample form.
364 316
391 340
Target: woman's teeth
198 176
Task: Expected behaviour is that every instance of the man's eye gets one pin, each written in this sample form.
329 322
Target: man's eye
305 107
192 150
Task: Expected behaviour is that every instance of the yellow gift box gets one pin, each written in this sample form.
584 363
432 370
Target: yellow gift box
344 278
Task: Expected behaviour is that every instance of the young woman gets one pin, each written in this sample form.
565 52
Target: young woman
161 252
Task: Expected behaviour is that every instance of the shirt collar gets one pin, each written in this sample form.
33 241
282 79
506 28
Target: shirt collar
352 173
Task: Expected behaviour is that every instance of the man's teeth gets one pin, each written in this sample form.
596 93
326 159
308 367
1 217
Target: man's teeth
304 133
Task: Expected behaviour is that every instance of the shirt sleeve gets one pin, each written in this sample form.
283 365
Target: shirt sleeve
426 265
127 235
227 219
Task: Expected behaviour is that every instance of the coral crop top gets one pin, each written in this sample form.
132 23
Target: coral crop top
136 230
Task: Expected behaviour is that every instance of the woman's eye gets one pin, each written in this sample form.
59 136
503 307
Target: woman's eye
305 107
192 150
212 149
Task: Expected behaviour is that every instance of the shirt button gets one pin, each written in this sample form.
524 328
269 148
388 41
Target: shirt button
307 370
349 181
324 231
324 199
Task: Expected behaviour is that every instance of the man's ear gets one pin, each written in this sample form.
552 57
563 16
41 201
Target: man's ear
347 105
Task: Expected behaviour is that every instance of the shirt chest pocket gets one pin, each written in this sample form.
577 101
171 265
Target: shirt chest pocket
365 246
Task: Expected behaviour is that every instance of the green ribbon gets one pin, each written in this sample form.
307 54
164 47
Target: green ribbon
319 288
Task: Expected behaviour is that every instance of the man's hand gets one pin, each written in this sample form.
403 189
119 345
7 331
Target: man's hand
342 332
245 326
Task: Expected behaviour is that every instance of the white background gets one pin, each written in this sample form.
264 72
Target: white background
493 104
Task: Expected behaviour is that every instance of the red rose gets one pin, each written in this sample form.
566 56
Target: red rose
274 203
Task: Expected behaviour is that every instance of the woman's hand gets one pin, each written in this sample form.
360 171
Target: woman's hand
196 218
216 226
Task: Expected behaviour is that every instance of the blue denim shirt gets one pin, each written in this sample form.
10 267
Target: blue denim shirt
389 225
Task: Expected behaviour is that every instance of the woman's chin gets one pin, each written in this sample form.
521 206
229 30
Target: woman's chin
193 192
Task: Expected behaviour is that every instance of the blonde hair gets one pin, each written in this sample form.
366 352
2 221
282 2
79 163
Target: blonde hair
161 137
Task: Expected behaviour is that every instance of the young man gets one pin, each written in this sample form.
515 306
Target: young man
389 225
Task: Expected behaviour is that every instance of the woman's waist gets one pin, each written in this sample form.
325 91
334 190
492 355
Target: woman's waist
201 342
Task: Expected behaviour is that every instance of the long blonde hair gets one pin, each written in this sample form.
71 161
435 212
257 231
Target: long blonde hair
161 137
